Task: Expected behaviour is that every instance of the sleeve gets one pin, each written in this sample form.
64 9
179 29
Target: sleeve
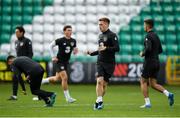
52 44
29 46
115 45
15 70
148 46
160 47
74 43
94 53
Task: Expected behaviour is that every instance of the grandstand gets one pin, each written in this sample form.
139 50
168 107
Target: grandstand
43 21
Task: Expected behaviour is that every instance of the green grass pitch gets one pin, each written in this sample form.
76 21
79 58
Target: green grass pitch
120 101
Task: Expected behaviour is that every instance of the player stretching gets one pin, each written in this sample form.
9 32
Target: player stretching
65 45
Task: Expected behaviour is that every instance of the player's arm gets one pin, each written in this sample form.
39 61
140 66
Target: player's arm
147 48
16 72
92 53
75 49
115 45
52 44
29 46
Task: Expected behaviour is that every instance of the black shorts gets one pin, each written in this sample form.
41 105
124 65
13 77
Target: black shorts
105 69
150 69
61 66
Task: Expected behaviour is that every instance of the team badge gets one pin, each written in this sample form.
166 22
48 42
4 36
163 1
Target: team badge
105 38
64 43
21 44
62 67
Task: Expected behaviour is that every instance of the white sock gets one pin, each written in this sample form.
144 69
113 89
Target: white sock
99 99
166 93
14 96
147 101
44 81
66 94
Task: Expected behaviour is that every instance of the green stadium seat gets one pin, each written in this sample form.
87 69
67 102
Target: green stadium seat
28 10
137 58
27 2
170 38
47 2
156 10
125 38
155 3
167 9
158 19
136 20
6 10
162 38
159 28
17 2
125 58
37 9
162 58
137 28
170 28
125 49
17 10
137 38
5 38
16 19
146 10
169 19
27 19
125 29
6 19
136 49
6 2
172 49
6 28
164 49
146 16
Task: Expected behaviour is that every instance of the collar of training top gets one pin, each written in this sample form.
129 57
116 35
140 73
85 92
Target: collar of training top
106 31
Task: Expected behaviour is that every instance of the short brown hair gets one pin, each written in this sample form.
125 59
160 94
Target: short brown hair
149 22
105 19
66 26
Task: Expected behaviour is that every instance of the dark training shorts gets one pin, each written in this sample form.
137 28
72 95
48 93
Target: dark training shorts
61 66
106 70
150 69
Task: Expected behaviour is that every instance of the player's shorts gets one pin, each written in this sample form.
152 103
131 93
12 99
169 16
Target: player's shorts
105 69
61 66
150 69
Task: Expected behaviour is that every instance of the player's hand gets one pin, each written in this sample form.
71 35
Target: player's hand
75 51
141 54
87 52
54 59
102 48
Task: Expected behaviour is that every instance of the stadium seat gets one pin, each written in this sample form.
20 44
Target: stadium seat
17 10
92 37
16 19
90 2
82 9
27 10
101 2
69 9
49 19
126 49
172 49
48 37
92 28
81 37
49 10
38 28
90 9
79 2
136 58
58 10
80 28
136 49
125 38
137 38
48 28
6 19
162 37
80 18
27 19
6 2
170 38
37 38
